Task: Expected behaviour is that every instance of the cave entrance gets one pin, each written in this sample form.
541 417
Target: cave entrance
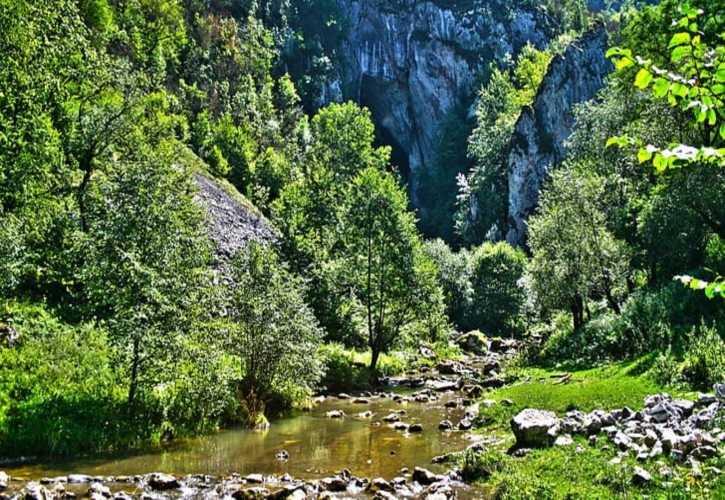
372 97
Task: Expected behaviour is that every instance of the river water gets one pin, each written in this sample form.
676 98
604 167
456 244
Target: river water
317 445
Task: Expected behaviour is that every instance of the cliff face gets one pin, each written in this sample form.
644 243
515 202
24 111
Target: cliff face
414 62
538 142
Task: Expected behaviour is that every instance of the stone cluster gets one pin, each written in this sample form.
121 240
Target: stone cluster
421 483
686 430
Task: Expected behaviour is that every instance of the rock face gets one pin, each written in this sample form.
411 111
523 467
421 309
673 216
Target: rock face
413 62
232 224
538 142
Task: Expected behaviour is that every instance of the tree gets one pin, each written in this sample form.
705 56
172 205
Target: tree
274 334
146 261
454 276
390 276
692 79
309 209
498 297
574 256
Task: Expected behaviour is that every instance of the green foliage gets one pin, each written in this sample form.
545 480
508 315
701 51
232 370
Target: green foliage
272 333
693 79
482 287
57 386
498 297
481 466
146 260
454 274
574 256
704 360
346 227
650 320
390 276
347 369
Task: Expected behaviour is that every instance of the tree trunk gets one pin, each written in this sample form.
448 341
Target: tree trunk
577 311
613 302
374 359
133 385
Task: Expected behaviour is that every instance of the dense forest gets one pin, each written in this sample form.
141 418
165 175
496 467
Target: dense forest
122 325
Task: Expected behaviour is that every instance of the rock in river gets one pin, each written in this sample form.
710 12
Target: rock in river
160 481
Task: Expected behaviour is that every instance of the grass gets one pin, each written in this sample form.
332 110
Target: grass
564 472
606 388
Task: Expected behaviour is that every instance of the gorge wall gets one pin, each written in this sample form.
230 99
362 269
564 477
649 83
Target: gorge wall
412 63
539 139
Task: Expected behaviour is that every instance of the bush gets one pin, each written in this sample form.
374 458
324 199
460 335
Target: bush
57 388
704 363
482 466
497 293
273 333
651 320
348 369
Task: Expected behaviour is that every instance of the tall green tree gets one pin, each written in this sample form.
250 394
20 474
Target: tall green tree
147 259
574 256
392 279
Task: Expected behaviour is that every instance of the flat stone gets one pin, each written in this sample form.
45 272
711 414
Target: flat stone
79 478
641 476
380 484
415 428
393 417
563 441
99 489
704 452
255 492
335 414
255 478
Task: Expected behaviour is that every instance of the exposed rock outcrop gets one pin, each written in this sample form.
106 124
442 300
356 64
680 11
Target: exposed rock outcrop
413 62
232 224
538 142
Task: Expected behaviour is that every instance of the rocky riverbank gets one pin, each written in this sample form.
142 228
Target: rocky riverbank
688 431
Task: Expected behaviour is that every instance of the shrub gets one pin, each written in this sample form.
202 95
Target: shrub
272 333
704 363
348 369
57 387
481 466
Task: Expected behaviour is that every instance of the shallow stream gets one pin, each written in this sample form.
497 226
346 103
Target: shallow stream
317 446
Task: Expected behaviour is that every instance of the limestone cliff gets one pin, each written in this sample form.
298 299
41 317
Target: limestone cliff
538 141
413 62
